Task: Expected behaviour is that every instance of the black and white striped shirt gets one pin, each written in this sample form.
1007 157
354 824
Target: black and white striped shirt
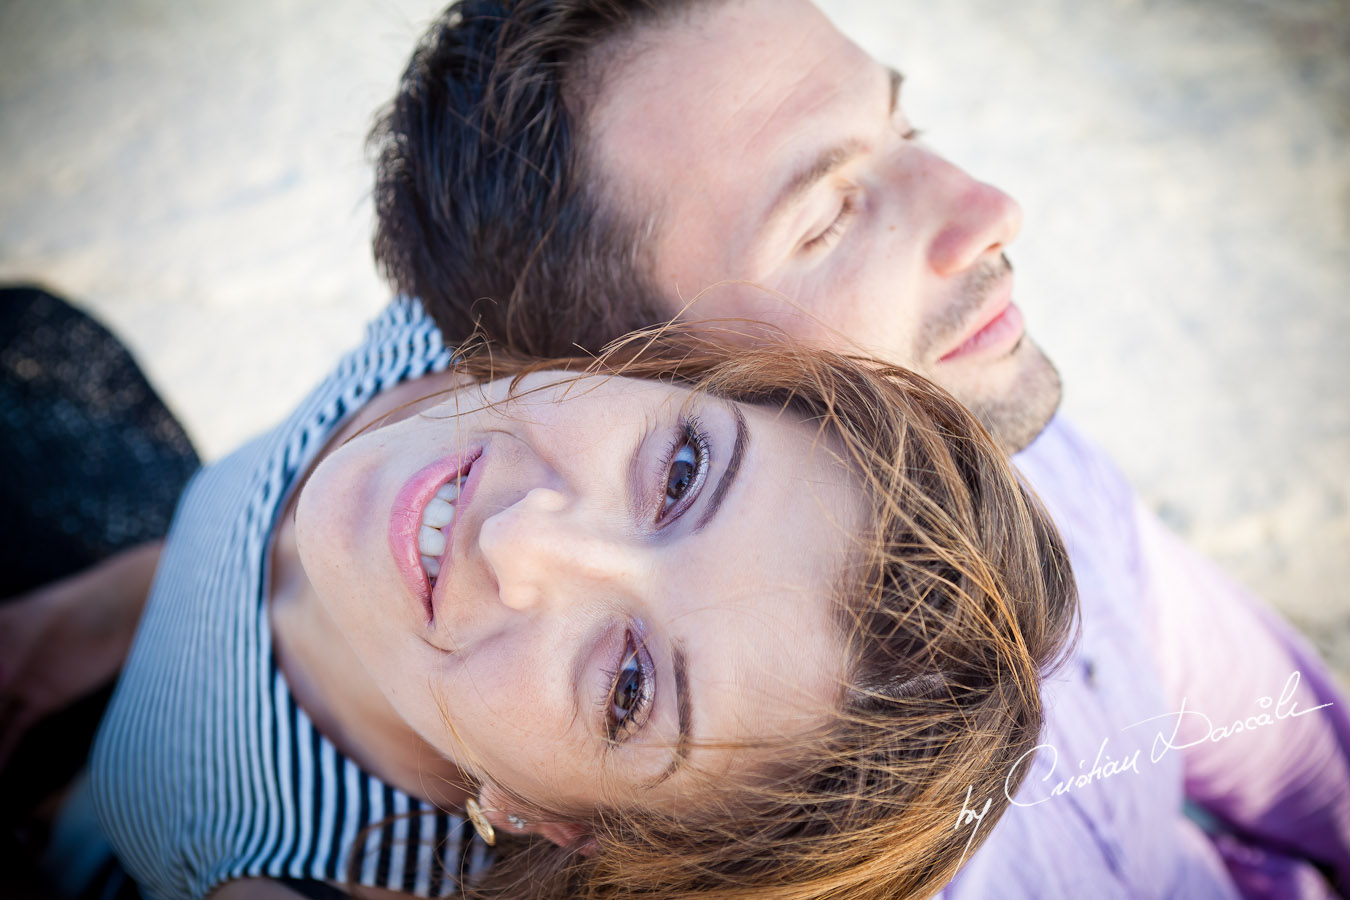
206 769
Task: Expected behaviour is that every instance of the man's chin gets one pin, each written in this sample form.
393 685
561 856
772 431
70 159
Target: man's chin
1020 407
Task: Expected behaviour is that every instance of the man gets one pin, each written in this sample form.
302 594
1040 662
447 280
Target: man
557 172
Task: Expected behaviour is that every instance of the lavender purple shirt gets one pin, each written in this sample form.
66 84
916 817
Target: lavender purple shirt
1184 702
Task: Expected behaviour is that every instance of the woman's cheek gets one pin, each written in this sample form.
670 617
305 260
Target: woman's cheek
492 700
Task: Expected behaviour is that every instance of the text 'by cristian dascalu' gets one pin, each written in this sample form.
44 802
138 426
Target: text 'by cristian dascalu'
1179 730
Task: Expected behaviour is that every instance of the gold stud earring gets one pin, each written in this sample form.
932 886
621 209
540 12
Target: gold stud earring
480 822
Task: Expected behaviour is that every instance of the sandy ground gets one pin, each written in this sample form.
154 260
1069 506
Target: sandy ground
195 174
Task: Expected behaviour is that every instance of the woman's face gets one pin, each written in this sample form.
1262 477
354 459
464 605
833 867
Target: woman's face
571 589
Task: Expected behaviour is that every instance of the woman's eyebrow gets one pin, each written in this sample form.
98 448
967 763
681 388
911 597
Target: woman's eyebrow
637 494
685 707
738 451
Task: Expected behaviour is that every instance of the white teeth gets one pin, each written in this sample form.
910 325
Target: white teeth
430 542
438 513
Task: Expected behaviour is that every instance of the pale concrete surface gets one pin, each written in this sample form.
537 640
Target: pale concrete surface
194 173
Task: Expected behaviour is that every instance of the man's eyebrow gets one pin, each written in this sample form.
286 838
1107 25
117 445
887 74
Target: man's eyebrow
826 163
685 707
738 451
801 182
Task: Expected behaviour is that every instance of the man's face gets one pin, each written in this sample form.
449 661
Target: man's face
786 178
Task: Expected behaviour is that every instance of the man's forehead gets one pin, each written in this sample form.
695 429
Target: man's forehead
726 81
720 101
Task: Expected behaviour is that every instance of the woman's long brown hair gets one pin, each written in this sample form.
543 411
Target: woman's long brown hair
957 600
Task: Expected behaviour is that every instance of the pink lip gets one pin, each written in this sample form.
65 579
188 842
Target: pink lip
999 324
405 520
474 468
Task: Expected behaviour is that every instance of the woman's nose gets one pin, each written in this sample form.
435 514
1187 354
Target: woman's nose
544 549
975 219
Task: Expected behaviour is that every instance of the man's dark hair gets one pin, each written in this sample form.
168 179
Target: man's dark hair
487 208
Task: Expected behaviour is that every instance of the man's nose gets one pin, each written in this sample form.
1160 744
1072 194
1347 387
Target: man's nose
544 549
976 219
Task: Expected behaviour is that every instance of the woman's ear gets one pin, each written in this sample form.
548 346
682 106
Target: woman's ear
572 835
498 808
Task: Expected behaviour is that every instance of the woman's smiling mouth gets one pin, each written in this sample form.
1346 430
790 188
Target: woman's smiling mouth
421 523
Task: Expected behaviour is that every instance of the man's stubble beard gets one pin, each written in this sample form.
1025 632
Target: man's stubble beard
1013 413
1019 412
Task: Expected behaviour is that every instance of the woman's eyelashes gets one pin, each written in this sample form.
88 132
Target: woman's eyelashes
628 701
685 469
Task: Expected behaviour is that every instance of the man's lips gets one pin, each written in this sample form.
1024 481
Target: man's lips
405 520
999 323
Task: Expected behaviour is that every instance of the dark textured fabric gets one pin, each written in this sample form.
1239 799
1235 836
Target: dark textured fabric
314 890
93 462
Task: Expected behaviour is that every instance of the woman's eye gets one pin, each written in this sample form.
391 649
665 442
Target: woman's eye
629 695
686 467
683 468
627 690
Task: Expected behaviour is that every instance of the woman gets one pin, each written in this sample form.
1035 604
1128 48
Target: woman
734 623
